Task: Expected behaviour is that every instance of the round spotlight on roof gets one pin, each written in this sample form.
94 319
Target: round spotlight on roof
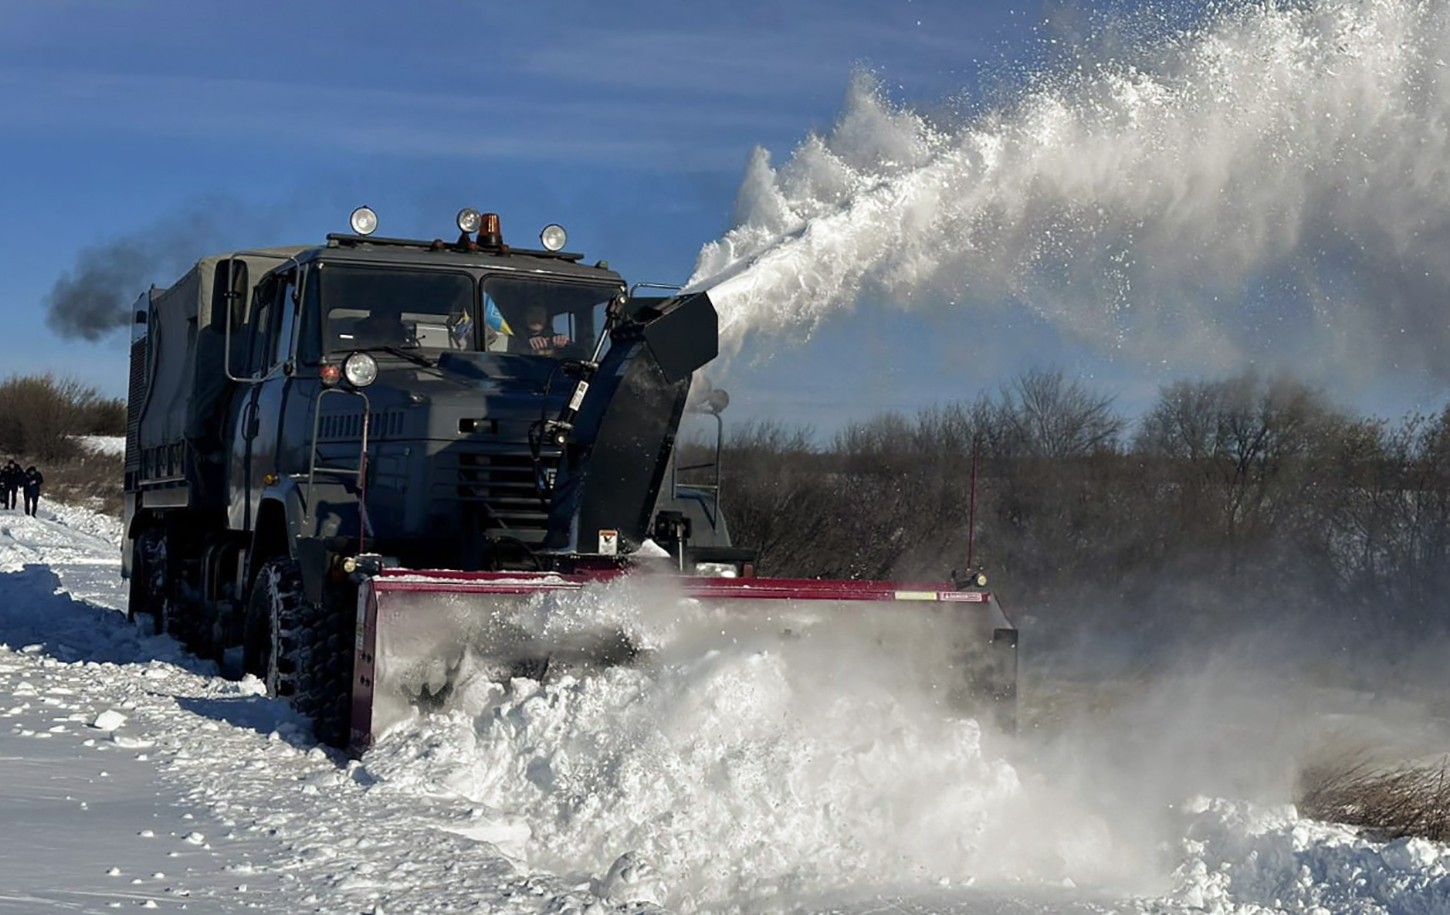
553 237
364 221
469 220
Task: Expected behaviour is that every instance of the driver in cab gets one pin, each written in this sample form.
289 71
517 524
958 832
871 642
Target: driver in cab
382 328
538 338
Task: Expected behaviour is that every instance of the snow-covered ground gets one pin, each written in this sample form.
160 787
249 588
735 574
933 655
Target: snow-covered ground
104 444
133 775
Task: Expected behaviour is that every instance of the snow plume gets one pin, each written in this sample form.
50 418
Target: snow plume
758 753
1270 185
94 298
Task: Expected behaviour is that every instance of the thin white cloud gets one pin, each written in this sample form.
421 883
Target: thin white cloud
440 124
760 64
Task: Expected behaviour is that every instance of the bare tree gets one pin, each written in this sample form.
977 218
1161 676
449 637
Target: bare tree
1042 414
1242 486
1183 423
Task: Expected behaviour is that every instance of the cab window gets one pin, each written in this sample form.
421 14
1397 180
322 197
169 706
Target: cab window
381 308
284 321
263 308
543 317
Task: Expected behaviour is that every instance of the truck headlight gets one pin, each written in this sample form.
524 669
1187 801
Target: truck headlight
360 369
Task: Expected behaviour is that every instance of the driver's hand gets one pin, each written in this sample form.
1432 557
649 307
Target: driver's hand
561 340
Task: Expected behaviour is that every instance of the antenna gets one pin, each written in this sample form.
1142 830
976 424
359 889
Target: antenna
972 503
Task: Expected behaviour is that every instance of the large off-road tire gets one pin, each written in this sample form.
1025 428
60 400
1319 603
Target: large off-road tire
301 650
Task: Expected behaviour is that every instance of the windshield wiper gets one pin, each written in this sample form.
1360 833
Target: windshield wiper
417 358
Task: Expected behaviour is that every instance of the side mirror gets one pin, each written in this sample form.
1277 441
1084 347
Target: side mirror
717 401
231 316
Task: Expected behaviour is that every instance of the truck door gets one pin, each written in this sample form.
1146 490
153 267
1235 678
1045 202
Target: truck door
254 452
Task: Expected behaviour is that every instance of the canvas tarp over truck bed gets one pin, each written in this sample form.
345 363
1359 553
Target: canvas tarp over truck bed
186 339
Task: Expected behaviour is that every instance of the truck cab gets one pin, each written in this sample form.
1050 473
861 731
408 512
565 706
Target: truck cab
417 402
389 398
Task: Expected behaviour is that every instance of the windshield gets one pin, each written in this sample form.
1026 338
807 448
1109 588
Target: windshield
365 307
379 308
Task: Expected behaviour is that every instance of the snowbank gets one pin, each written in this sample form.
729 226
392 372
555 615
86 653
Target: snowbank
103 444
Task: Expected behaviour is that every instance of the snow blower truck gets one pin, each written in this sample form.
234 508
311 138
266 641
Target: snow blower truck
375 471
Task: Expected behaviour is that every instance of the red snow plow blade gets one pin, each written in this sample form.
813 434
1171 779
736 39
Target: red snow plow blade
431 640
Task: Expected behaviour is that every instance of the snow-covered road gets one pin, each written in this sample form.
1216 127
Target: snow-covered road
132 775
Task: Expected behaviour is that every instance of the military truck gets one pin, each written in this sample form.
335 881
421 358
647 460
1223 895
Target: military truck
318 437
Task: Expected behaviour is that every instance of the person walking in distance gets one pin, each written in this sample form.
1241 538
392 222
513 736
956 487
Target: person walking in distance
32 482
10 479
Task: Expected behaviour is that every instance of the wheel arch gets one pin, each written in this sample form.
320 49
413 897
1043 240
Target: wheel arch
277 527
269 536
277 532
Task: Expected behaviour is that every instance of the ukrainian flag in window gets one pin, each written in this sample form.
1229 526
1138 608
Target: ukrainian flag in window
494 318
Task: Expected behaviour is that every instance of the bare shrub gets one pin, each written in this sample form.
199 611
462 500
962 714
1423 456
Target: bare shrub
1396 802
101 416
40 413
40 417
775 494
1246 486
907 482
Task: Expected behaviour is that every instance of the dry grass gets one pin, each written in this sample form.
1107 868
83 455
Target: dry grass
1393 802
93 480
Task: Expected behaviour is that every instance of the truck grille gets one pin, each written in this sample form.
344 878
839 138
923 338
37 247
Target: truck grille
499 487
383 424
135 399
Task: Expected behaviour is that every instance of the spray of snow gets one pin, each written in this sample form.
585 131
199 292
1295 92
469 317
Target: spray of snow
1270 186
754 751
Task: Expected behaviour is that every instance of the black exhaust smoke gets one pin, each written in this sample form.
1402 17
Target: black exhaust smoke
92 299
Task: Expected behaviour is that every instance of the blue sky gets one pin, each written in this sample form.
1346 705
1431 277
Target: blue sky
630 123
184 127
